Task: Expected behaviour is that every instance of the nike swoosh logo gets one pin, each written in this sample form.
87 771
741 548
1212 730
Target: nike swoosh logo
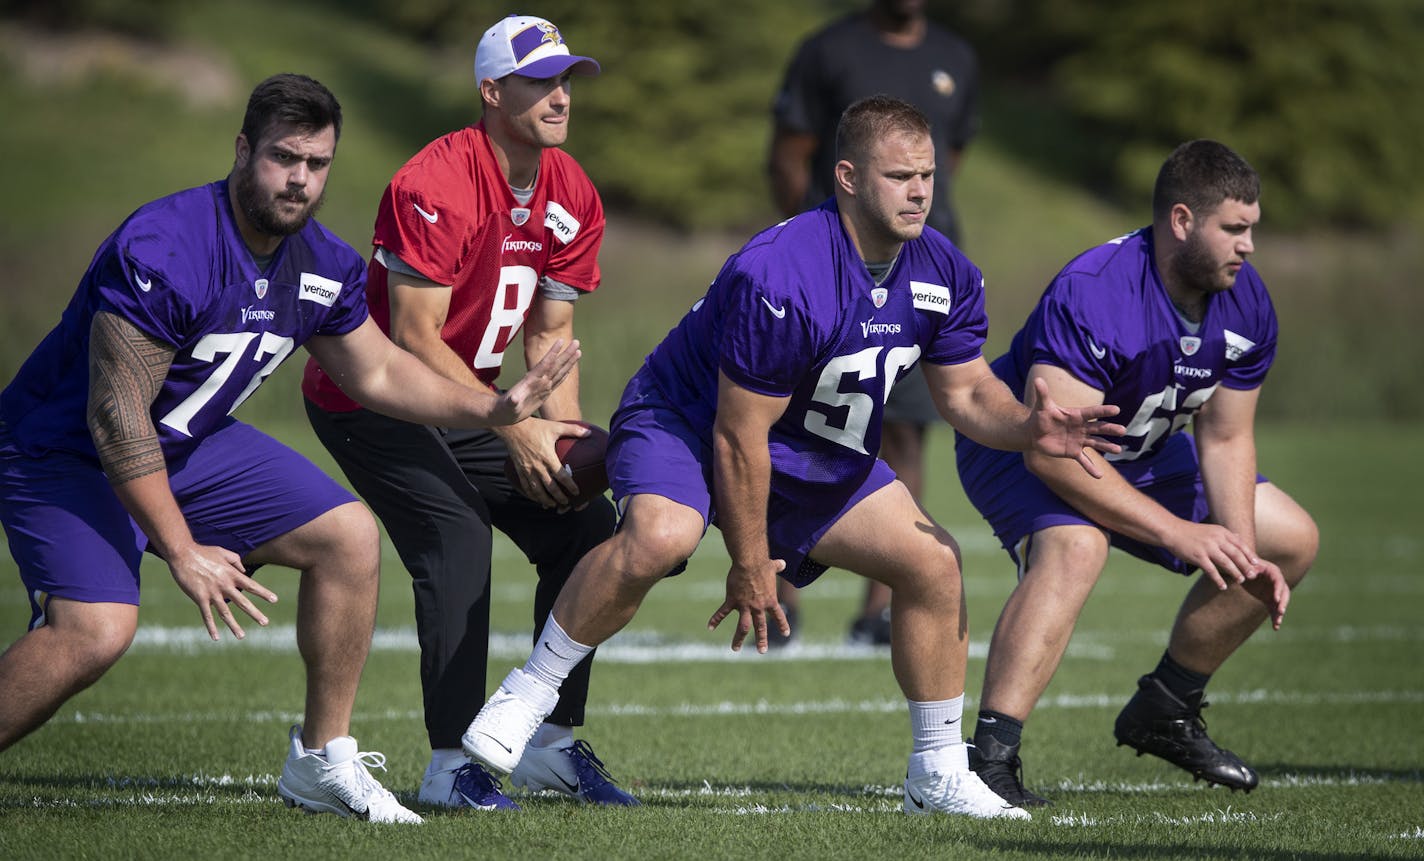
776 312
143 285
1098 352
983 719
571 787
507 748
951 722
913 800
299 802
546 645
431 217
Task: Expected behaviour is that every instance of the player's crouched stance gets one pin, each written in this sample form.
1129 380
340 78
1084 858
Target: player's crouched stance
761 412
116 437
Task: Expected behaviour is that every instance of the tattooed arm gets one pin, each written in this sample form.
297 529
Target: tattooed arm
126 370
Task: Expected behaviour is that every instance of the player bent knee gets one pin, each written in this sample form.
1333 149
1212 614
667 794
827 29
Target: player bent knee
94 635
1070 553
657 534
344 539
887 537
1286 534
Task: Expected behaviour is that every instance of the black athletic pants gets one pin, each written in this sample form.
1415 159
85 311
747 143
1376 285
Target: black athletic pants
439 493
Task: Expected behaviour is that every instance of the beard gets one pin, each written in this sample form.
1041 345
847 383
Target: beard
1195 267
264 215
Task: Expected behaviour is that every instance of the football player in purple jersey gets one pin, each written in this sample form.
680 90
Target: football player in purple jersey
116 436
891 47
1173 326
760 412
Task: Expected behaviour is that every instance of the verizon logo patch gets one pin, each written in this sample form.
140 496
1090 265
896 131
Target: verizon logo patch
1237 345
557 219
318 289
930 297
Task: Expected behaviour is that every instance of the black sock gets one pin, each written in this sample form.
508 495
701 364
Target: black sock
1001 727
1186 685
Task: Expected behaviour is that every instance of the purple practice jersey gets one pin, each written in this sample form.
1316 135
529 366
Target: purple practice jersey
796 314
1107 320
178 270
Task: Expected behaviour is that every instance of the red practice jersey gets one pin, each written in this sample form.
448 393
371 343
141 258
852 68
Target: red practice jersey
449 214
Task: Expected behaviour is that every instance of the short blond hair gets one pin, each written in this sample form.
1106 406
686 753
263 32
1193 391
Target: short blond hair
872 119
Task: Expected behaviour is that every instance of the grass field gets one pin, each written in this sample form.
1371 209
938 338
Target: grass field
175 753
797 755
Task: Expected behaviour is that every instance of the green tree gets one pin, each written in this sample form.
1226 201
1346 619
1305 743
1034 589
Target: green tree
677 127
1322 96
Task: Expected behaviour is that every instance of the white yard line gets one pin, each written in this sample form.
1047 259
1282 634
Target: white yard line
726 708
648 647
199 789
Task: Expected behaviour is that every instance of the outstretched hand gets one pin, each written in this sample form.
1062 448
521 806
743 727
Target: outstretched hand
527 395
1071 432
752 593
213 577
1268 585
1225 558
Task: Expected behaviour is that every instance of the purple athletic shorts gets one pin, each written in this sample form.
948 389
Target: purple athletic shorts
652 449
1017 504
71 538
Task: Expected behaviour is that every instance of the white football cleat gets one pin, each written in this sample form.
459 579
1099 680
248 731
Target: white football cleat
942 788
338 782
500 732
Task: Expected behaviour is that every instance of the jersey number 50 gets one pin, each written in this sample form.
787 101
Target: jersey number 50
857 402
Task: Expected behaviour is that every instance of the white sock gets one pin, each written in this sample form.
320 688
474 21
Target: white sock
553 735
936 724
446 759
555 655
941 760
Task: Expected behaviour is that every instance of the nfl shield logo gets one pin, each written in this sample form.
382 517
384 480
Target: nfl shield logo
519 215
878 295
260 285
1190 345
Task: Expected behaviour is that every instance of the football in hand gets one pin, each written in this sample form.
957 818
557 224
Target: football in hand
583 458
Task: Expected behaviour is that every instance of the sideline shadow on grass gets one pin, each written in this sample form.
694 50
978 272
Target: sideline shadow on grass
698 793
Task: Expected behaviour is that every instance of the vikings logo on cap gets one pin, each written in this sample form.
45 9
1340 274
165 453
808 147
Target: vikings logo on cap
533 37
530 47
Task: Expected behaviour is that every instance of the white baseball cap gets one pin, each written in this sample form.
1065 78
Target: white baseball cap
529 47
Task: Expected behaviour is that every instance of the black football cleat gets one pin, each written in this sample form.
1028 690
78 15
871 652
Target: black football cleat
1155 721
999 766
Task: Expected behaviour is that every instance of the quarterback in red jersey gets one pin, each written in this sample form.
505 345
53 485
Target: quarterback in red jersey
486 232
451 215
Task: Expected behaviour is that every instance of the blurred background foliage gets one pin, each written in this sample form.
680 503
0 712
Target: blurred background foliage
109 103
1322 95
